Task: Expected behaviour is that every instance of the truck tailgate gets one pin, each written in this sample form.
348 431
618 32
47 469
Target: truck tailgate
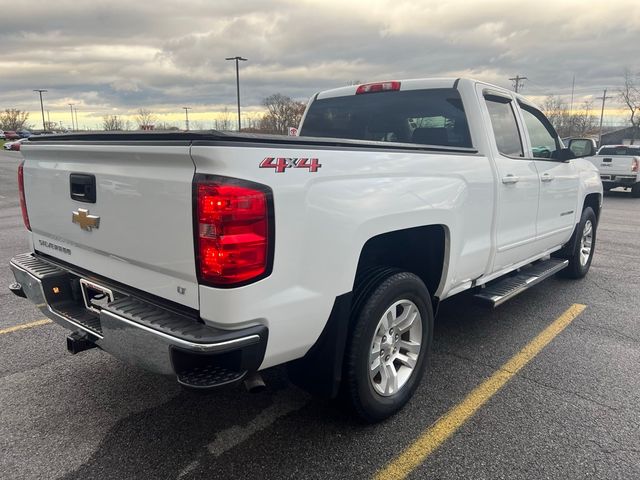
139 229
614 164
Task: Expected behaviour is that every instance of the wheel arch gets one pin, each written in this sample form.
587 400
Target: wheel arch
422 250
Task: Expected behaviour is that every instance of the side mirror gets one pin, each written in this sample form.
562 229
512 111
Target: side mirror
582 147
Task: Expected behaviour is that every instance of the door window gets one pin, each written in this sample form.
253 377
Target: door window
544 141
505 128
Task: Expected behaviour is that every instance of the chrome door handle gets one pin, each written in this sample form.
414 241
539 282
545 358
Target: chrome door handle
547 177
510 178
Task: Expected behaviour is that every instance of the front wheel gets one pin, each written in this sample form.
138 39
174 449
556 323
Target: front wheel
582 255
389 346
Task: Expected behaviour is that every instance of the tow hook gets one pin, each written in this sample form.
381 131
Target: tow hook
79 342
254 383
16 289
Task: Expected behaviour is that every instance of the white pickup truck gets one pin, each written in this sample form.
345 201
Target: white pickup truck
619 166
211 256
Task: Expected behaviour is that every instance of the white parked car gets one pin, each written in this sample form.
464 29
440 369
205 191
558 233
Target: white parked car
211 256
619 166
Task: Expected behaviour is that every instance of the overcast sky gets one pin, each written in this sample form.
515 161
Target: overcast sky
115 56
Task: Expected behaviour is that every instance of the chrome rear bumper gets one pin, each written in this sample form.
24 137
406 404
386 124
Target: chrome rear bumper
157 338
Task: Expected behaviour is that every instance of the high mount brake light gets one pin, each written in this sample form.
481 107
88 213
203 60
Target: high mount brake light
233 231
378 87
23 201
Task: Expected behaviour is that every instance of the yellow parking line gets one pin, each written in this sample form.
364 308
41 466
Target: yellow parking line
451 421
24 326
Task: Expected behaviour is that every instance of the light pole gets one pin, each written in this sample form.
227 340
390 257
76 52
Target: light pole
237 59
186 117
73 125
40 91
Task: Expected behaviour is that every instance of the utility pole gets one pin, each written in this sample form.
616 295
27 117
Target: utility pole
41 91
516 82
573 86
73 125
48 120
77 124
603 98
186 117
238 59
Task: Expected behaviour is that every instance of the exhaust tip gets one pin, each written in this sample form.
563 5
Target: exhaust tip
254 383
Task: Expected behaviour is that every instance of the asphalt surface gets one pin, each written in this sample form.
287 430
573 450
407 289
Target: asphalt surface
573 412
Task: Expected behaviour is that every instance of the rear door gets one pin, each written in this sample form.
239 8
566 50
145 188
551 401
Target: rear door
559 180
518 183
120 211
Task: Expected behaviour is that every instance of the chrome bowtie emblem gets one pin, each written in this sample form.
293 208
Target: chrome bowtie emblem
86 221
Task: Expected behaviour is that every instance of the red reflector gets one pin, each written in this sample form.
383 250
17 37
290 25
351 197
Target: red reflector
378 87
232 234
23 201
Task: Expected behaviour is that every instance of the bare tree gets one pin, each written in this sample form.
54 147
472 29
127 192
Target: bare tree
223 123
282 112
145 119
630 96
584 122
13 119
566 122
557 112
112 123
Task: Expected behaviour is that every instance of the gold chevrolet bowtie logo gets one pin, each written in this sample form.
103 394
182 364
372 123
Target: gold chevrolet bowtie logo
86 221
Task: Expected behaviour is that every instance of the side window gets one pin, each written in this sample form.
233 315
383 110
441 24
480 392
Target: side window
505 128
544 141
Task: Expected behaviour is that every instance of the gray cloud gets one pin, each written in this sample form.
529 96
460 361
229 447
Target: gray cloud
117 56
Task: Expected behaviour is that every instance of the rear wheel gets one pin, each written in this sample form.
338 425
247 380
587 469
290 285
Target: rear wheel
388 349
582 255
635 190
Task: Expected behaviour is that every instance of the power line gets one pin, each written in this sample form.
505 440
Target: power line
516 82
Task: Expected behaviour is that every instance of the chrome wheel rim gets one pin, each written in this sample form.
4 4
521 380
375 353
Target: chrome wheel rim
395 347
586 243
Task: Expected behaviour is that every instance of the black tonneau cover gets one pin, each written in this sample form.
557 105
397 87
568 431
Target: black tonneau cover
214 137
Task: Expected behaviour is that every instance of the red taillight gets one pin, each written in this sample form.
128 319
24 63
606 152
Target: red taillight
232 231
23 201
378 87
634 165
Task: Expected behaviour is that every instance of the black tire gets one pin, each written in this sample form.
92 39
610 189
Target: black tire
577 268
368 404
635 190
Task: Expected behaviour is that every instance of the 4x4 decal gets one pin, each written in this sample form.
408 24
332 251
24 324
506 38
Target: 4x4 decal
280 164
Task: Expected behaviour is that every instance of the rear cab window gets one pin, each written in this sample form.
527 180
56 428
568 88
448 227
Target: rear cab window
432 116
620 150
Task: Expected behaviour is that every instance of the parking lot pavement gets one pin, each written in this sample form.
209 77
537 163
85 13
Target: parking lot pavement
571 412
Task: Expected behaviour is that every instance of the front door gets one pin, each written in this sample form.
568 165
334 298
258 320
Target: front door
559 181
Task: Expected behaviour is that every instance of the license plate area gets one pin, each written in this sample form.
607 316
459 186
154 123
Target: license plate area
95 296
